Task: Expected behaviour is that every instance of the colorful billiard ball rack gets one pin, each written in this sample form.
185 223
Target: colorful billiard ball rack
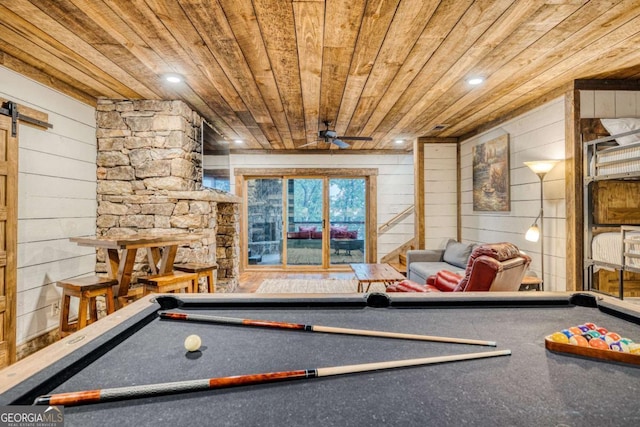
592 341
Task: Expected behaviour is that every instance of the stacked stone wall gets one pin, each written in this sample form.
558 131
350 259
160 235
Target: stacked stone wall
149 175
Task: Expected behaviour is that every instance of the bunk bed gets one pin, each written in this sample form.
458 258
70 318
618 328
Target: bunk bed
611 170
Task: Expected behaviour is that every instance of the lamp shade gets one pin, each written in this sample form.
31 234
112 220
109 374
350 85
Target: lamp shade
541 166
533 233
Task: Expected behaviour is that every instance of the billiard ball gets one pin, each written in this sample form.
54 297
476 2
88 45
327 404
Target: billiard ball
587 336
584 328
575 330
595 343
634 348
559 337
611 337
619 346
627 341
594 334
192 343
578 340
591 326
567 332
603 331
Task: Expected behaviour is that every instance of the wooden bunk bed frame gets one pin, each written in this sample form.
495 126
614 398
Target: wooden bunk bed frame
611 212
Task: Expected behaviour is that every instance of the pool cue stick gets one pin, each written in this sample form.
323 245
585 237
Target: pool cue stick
150 390
318 328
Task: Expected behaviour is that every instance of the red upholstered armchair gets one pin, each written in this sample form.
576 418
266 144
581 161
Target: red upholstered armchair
491 267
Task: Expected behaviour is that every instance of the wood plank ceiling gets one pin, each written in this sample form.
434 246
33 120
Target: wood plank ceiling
269 72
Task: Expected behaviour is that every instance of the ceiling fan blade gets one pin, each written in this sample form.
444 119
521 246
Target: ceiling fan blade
357 138
327 133
307 144
340 144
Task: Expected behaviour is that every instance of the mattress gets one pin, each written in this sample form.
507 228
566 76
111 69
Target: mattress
607 248
618 160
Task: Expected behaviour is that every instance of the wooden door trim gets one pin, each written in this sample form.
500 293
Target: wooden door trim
8 311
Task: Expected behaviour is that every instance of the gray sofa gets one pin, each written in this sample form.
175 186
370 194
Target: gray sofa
426 262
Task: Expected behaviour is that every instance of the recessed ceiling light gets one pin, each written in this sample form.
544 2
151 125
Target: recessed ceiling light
475 81
399 141
173 77
238 141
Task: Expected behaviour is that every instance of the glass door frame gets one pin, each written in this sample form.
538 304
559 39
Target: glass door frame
286 209
242 175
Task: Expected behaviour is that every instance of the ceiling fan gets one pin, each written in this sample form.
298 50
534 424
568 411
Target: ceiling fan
331 137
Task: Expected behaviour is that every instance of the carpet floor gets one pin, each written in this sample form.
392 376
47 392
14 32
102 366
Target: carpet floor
330 286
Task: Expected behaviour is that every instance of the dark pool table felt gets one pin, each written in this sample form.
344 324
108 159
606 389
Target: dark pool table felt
531 387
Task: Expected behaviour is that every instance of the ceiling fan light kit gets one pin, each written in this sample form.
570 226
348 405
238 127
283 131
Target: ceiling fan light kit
331 137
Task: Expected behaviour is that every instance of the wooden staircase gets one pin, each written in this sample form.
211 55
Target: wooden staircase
397 258
400 264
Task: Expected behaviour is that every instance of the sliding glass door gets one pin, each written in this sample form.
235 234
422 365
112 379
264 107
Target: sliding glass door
347 209
297 221
264 221
304 221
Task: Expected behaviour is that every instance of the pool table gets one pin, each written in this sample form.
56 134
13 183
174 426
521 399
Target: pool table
531 387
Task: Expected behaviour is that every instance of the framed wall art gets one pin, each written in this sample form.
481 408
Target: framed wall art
491 184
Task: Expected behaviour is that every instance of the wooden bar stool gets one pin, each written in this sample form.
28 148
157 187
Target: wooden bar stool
86 289
202 270
134 294
173 282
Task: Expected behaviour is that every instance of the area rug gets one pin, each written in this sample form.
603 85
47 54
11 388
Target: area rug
317 286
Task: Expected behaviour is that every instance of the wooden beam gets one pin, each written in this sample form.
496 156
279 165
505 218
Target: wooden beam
458 194
244 245
328 151
573 192
372 218
606 84
305 172
438 140
418 196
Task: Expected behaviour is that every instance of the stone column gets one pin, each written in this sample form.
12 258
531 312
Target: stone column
149 168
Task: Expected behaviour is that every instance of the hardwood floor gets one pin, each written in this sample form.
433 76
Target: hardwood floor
251 280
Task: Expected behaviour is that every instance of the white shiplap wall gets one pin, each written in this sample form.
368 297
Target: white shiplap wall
609 104
395 183
440 194
537 135
56 199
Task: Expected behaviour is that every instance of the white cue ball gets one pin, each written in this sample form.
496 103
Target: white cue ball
192 343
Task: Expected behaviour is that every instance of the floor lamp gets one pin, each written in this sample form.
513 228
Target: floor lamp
535 233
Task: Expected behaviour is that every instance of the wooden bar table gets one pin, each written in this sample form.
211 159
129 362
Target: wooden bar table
372 273
161 254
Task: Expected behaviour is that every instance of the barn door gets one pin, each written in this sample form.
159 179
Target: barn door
8 240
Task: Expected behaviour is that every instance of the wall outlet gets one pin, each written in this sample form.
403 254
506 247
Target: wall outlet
55 309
